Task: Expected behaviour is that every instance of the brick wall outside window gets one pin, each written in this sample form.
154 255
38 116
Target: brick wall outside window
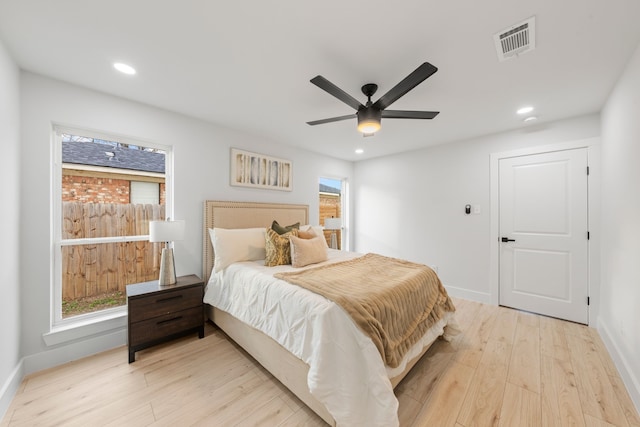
99 190
94 190
163 194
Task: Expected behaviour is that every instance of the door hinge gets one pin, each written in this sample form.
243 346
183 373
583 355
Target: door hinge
587 170
588 300
588 235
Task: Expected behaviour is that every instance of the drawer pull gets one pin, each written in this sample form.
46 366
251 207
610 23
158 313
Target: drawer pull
173 319
169 299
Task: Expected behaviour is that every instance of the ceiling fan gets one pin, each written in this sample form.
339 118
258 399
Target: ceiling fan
370 115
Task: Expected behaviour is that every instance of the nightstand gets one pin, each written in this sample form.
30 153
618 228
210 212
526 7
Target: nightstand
161 313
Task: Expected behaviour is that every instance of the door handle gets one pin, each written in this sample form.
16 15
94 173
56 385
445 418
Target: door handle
506 239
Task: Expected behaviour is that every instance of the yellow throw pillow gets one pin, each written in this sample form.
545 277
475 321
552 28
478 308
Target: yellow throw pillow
277 248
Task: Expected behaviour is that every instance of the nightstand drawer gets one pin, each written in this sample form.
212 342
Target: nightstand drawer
162 303
163 326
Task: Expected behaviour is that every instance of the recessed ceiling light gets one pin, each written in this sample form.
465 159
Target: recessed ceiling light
124 68
530 119
359 151
525 110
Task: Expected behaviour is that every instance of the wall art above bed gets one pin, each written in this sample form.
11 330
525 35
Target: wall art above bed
260 171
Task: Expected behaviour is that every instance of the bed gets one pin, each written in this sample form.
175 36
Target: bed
367 392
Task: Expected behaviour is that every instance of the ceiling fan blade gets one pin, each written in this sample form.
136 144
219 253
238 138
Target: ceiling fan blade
334 90
399 114
332 119
420 74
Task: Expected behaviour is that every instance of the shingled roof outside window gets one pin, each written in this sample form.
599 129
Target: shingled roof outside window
112 156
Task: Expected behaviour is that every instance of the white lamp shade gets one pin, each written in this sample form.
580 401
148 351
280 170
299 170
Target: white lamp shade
333 223
166 231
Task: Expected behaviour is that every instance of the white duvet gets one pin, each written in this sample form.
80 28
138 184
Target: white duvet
346 372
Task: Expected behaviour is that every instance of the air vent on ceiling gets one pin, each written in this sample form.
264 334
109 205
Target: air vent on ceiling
517 39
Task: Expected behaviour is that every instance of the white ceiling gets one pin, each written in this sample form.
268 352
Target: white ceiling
247 64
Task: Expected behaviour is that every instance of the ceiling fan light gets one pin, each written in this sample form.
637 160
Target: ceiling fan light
369 126
369 120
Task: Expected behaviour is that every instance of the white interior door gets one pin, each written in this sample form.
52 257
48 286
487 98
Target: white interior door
543 234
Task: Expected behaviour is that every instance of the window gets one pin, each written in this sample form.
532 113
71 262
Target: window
144 193
106 190
332 204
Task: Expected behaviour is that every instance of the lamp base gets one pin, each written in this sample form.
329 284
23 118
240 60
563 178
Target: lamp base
334 240
167 268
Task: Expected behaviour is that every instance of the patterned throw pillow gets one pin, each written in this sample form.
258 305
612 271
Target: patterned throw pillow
278 248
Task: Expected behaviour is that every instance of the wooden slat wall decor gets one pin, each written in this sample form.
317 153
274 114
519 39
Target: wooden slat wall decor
98 268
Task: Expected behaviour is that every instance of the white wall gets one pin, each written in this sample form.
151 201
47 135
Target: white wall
620 307
201 158
424 193
9 215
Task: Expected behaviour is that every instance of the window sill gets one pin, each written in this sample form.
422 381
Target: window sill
109 322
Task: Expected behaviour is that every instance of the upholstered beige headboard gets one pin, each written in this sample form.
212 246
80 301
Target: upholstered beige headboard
244 215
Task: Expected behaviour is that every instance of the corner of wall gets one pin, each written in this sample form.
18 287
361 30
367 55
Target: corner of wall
622 363
10 387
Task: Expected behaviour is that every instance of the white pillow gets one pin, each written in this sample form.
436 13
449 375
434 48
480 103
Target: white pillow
316 229
307 251
235 245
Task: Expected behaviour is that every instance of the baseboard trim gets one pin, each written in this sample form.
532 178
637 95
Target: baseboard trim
74 351
470 295
57 356
624 367
10 388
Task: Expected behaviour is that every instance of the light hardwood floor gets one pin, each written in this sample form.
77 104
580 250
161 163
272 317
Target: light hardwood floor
508 368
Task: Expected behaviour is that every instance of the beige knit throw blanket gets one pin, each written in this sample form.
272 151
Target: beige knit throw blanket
393 301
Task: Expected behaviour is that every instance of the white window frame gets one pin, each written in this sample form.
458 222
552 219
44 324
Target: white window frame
346 215
58 324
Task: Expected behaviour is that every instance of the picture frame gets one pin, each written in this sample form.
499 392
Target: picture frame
260 171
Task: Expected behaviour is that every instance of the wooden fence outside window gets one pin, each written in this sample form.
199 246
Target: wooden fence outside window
95 269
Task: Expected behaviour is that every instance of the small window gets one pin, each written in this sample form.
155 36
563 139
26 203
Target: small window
332 205
143 193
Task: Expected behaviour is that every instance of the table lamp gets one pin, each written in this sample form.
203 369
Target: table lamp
167 232
333 224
